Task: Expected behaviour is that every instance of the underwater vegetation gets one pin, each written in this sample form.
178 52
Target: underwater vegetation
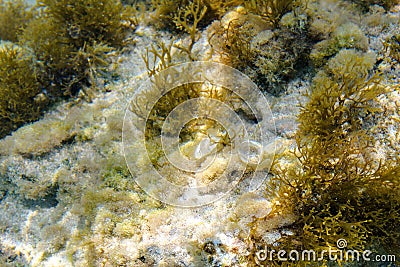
348 35
271 11
252 36
334 186
365 4
14 17
271 56
166 14
94 185
333 183
72 41
70 44
392 45
276 47
20 101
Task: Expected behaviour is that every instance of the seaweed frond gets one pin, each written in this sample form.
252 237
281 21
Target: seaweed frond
72 40
68 42
348 35
158 58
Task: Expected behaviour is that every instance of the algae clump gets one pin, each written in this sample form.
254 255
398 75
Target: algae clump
14 16
20 89
64 47
72 40
334 186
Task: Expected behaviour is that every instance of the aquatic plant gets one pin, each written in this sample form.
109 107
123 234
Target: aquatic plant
158 58
392 46
166 12
72 45
69 44
109 213
86 21
38 139
163 12
270 55
270 10
232 41
366 4
220 7
187 18
280 56
20 92
197 12
342 93
53 52
348 35
334 186
14 16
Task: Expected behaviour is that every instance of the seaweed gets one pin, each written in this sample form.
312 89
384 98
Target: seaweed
69 43
186 19
392 47
14 16
271 55
20 91
342 91
39 138
270 10
163 12
233 41
158 58
347 35
281 55
197 12
366 4
334 186
72 45
166 12
86 21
